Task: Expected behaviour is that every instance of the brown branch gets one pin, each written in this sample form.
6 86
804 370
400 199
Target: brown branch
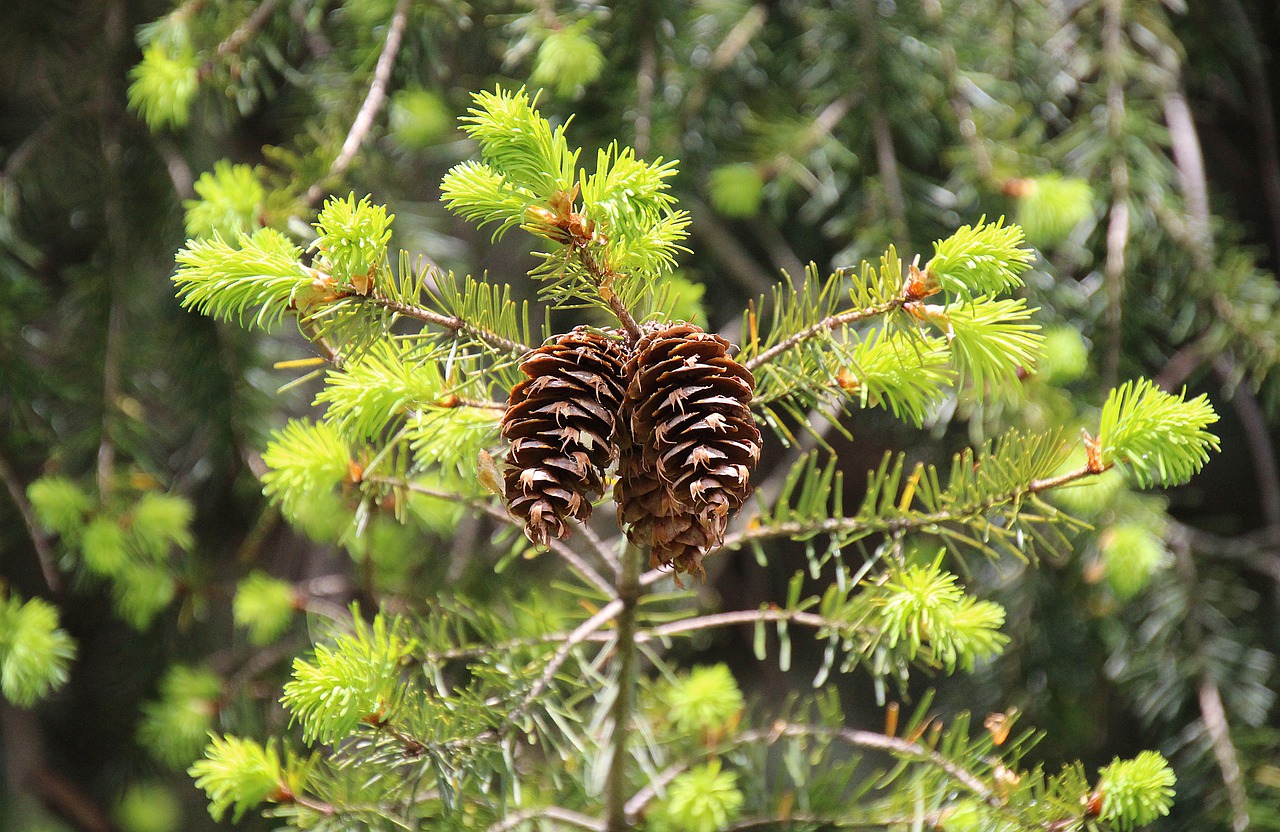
629 593
859 739
1215 722
39 539
824 325
559 547
835 525
1258 435
450 322
959 104
1119 222
646 78
552 813
881 130
373 102
582 633
237 39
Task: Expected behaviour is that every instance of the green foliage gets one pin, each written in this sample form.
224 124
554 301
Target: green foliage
568 60
103 546
264 606
1136 792
356 680
238 772
419 118
1131 554
60 504
158 522
176 726
149 806
705 700
230 202
306 461
388 382
981 259
34 651
525 162
1155 435
628 225
921 612
737 190
163 86
261 272
702 799
140 591
1051 206
1064 356
353 238
993 342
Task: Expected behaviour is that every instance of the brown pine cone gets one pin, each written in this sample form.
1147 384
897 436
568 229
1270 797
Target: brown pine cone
561 425
687 446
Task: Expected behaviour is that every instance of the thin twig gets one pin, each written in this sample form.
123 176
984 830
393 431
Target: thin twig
551 812
581 633
959 104
39 539
373 102
450 322
559 547
1215 722
237 39
646 78
859 739
824 325
629 593
1119 221
836 525
1258 435
881 130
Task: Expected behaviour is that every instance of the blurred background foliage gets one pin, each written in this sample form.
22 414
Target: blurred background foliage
1135 140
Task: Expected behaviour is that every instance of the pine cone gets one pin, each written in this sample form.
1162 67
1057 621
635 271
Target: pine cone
561 426
687 444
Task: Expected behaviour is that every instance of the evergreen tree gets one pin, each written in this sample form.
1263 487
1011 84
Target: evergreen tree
483 684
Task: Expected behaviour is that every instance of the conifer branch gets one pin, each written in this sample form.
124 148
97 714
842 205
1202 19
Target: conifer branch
1118 223
236 41
825 325
39 538
452 323
629 593
580 634
559 547
860 739
373 101
578 819
912 521
1214 716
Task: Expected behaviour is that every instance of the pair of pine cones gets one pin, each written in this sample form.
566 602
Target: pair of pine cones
672 410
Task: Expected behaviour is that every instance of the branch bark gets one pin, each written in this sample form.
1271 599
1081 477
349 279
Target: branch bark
373 101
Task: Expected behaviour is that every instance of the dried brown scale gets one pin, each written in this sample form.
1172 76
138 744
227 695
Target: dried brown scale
561 423
688 443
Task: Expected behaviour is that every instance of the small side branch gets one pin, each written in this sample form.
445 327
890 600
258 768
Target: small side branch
551 813
825 325
909 522
859 739
1119 221
452 323
373 102
559 547
629 592
39 540
1215 722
